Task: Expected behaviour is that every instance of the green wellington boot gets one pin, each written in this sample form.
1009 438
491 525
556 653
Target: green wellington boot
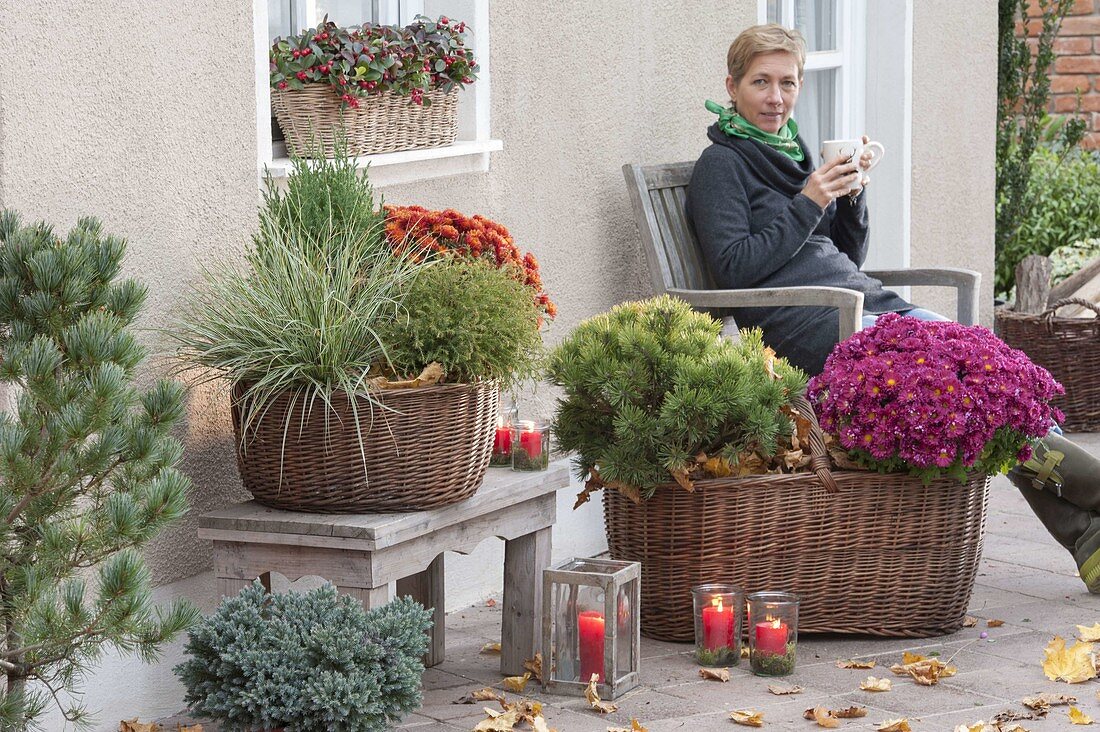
1061 483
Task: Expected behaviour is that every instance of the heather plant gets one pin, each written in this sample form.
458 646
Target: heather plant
305 662
88 470
649 386
933 399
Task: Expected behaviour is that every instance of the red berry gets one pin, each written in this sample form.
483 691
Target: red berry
295 53
282 85
444 20
307 51
467 80
343 81
462 27
363 85
325 68
301 76
370 57
324 36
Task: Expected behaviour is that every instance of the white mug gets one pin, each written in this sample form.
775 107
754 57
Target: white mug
851 149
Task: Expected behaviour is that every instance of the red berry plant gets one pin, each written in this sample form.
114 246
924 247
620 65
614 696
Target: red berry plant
472 237
933 399
371 59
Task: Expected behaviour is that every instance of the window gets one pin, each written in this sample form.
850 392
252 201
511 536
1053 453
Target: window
830 104
470 153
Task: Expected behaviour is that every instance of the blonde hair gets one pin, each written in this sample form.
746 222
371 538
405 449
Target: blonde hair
759 39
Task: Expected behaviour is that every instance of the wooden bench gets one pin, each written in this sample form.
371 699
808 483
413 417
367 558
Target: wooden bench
361 554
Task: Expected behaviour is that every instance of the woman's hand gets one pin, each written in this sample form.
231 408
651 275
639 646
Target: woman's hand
865 161
832 180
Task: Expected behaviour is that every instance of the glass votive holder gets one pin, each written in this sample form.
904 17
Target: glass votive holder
773 632
501 457
530 446
717 624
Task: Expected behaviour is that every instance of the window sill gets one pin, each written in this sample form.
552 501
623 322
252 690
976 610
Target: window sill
407 166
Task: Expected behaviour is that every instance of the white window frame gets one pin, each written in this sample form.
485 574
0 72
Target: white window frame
471 150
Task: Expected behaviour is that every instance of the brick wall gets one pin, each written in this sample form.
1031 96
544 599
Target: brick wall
1078 64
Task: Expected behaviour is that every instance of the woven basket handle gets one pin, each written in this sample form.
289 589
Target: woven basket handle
1048 314
819 455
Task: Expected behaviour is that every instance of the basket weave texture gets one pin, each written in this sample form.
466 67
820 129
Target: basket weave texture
1069 348
425 448
866 552
382 123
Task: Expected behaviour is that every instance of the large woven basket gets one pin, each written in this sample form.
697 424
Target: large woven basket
313 123
426 448
882 555
1069 348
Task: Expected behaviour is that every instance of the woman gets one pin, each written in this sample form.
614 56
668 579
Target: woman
765 217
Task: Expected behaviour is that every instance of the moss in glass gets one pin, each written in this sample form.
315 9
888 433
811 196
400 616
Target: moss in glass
530 446
773 632
501 457
717 624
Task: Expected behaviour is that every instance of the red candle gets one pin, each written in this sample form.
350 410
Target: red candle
717 626
531 441
502 442
591 627
771 637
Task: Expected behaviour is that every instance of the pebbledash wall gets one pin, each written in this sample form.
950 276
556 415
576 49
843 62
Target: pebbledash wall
147 120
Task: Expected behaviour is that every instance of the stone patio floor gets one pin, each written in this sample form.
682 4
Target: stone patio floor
1025 579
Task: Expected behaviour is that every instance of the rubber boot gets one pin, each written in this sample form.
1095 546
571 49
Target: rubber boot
1061 483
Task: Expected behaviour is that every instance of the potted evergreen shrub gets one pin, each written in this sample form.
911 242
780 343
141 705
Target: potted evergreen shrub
312 661
365 369
378 88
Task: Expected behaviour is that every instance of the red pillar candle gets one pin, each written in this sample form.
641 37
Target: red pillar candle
591 646
502 442
717 626
771 637
531 441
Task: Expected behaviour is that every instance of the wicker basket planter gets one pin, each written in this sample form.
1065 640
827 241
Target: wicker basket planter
383 122
885 555
1069 348
427 448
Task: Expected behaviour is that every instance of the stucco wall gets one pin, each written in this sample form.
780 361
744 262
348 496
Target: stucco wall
954 118
141 114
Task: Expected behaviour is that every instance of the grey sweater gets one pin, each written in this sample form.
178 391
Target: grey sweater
756 229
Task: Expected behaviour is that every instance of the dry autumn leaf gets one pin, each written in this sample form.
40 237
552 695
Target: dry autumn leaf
908 658
1089 634
994 623
481 695
1013 727
133 725
635 726
744 651
822 716
1011 715
490 648
851 663
498 721
873 684
517 683
970 621
1076 716
978 726
188 727
895 725
534 665
748 717
784 690
592 694
850 712
1073 665
715 674
538 724
924 671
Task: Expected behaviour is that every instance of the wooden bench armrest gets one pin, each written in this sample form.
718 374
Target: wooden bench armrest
966 281
849 302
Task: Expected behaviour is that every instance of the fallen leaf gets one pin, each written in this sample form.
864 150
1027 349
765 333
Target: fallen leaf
1014 727
715 674
978 726
1076 716
592 694
498 721
784 690
188 727
895 725
491 648
1089 634
1011 715
822 716
683 478
748 717
872 684
133 725
635 726
744 651
491 602
517 683
850 712
1073 665
432 374
994 623
970 621
925 671
718 467
851 663
481 695
538 724
534 665
1043 702
908 658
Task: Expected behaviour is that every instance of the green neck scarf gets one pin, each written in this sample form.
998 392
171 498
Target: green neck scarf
730 122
